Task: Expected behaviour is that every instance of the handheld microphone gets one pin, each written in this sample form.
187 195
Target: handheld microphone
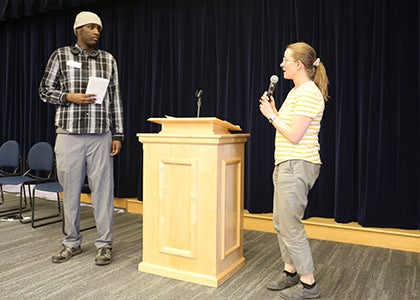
273 81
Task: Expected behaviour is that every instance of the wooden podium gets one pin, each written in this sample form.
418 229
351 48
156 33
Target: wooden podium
193 200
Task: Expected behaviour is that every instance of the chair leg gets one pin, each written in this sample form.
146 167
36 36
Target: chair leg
11 211
2 195
33 219
21 208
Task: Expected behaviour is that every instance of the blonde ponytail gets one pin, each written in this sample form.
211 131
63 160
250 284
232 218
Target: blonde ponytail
321 80
313 65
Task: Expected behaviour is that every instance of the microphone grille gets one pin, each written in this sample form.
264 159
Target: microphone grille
274 79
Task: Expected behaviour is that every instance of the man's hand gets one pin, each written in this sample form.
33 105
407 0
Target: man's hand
81 99
116 147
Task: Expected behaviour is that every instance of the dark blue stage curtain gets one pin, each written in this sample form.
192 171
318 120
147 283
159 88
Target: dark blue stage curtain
169 49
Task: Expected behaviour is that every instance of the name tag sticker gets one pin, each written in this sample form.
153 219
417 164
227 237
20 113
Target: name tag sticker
74 64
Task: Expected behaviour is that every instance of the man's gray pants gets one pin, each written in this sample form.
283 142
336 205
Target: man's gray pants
79 156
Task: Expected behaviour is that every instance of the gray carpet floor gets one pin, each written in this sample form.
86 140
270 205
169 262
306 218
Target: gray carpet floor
343 271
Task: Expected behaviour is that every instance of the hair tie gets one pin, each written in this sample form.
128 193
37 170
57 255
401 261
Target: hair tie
316 62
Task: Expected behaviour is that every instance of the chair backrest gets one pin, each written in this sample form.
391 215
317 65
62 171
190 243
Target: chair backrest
41 157
10 155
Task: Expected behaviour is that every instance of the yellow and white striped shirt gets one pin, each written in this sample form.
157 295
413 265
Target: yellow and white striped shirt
306 100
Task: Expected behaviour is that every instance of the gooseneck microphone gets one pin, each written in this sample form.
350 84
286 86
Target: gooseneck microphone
198 94
273 81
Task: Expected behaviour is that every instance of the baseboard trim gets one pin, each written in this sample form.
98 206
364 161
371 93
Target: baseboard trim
316 228
352 233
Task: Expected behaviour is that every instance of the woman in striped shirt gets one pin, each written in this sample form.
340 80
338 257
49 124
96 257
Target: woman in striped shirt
297 165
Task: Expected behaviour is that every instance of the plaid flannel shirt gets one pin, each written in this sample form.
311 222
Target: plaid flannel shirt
67 72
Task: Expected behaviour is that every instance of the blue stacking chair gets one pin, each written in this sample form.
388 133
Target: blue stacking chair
50 184
40 169
10 164
51 187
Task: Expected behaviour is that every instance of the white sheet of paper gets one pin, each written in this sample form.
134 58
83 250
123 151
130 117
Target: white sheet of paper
97 86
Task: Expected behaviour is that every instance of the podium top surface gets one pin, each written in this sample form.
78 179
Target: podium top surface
206 125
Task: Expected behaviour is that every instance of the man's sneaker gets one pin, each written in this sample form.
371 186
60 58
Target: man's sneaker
299 292
282 281
104 256
65 254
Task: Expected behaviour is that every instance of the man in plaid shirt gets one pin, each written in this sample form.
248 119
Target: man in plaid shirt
89 134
